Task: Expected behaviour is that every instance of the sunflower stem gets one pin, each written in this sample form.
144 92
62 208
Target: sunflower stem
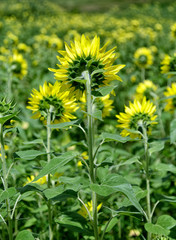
147 162
4 172
9 85
90 134
49 177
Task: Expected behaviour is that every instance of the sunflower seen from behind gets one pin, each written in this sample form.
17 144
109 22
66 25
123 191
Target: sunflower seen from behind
55 99
86 55
147 89
139 114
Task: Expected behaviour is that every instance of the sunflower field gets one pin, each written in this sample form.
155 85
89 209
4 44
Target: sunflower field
87 120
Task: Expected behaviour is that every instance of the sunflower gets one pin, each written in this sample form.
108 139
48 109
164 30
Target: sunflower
143 57
55 98
18 65
138 114
83 55
89 205
102 103
146 89
168 64
171 94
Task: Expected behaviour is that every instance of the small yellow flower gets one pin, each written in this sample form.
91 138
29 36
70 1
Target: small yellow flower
40 181
85 155
79 164
168 64
89 205
18 65
138 114
134 233
171 102
5 148
133 78
143 57
82 55
146 89
173 30
55 98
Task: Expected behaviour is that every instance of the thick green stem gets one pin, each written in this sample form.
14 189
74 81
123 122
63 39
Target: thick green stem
4 173
9 85
49 178
90 150
145 137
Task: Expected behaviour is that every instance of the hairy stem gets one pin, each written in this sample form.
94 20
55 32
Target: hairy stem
145 137
49 177
87 77
4 173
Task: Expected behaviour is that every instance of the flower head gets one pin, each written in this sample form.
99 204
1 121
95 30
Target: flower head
139 114
83 55
54 98
143 57
146 89
18 65
168 64
171 100
6 108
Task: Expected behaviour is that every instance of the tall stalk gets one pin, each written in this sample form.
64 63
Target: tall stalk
49 177
90 134
145 138
4 173
9 84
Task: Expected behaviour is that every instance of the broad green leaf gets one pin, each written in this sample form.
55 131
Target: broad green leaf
53 192
10 192
74 222
139 193
64 124
7 117
74 183
173 131
114 137
30 154
116 183
69 193
163 167
103 91
97 114
25 234
97 71
56 163
112 223
156 147
30 187
30 222
130 161
166 221
156 229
